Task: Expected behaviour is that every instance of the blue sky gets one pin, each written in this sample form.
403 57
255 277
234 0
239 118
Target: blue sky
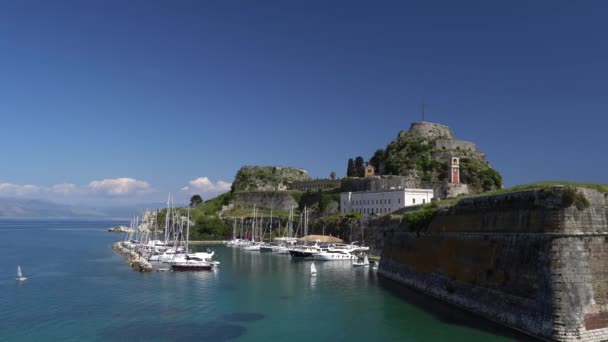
150 95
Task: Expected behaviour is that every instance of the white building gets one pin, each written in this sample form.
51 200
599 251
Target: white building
382 202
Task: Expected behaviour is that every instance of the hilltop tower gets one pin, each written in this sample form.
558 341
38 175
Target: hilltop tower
454 170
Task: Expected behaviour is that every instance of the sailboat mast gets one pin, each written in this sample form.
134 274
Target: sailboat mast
305 224
188 231
167 217
253 225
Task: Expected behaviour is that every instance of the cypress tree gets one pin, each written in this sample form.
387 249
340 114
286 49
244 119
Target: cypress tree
359 167
350 170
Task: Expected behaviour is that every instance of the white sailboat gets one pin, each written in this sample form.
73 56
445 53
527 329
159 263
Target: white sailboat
20 276
364 263
313 269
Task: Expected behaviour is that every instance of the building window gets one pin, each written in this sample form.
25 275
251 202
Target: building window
414 200
389 201
423 201
398 200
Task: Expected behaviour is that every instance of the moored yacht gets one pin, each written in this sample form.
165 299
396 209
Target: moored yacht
191 264
305 252
252 248
332 255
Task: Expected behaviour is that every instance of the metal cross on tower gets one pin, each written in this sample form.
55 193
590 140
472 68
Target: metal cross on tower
423 105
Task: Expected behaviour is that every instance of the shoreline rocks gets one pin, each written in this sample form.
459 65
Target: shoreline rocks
133 259
120 229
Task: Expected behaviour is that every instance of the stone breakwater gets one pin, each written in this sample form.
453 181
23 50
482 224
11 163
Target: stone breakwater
133 259
120 229
530 260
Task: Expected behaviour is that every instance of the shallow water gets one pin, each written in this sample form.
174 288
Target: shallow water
80 290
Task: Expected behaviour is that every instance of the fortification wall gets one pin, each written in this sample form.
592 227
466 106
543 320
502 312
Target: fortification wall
446 155
528 260
281 200
430 130
379 183
314 185
383 183
455 145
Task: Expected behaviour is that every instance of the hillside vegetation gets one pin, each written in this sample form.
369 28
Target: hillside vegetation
417 157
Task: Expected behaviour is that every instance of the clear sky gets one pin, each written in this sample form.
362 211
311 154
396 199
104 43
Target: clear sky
127 100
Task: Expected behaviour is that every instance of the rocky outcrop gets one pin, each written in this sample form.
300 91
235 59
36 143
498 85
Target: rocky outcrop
267 178
533 260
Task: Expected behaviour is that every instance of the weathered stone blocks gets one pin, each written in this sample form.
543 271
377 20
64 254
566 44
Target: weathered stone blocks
524 260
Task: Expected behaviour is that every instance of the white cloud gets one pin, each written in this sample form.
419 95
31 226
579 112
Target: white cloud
204 185
18 189
63 189
119 186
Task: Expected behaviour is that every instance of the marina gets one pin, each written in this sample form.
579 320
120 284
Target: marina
78 288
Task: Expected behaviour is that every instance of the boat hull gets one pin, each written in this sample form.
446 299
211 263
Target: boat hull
334 257
301 254
191 267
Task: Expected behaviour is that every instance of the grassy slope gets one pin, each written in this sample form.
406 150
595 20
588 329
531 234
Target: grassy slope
530 186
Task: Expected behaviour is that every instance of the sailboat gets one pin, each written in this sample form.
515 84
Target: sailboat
313 269
191 263
20 276
364 263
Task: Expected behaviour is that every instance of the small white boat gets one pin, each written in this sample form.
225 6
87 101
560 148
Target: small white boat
376 265
20 276
313 269
364 263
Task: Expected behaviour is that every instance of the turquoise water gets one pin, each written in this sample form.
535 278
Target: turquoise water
80 290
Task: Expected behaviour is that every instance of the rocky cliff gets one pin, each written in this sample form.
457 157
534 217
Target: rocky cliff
267 178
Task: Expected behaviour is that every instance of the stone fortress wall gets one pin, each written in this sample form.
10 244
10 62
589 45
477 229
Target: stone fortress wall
527 260
455 145
314 185
430 130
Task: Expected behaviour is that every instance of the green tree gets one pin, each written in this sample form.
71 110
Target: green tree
359 167
332 175
377 159
350 171
196 200
209 227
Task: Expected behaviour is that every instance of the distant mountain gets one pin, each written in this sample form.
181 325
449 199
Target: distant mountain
18 207
34 208
128 211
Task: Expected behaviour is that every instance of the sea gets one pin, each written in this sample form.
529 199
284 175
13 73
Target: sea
79 289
